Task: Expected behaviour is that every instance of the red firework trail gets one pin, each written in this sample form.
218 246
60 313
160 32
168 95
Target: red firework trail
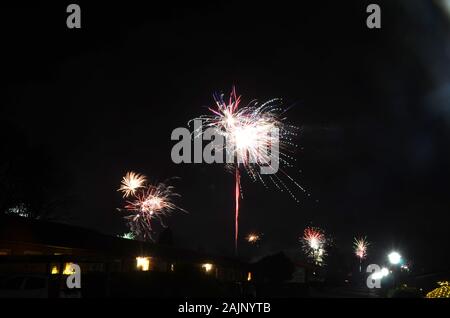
236 213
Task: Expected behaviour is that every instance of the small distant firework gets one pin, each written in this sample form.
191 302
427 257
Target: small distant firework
253 238
132 182
360 245
127 236
313 237
314 243
248 132
146 202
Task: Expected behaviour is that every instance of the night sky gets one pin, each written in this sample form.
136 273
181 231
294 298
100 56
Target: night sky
82 107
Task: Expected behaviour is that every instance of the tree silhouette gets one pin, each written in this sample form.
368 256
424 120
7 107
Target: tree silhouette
30 182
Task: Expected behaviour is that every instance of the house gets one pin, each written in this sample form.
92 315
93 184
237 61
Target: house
28 245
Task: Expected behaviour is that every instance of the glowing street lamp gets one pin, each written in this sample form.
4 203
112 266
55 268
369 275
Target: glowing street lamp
394 258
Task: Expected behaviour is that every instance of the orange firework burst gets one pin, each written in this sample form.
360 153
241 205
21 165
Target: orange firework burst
253 238
132 182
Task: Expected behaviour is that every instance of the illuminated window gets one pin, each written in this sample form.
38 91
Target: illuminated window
67 269
55 270
143 263
207 267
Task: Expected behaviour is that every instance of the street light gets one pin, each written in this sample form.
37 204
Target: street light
395 258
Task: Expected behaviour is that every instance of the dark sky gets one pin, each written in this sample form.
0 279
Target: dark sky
373 107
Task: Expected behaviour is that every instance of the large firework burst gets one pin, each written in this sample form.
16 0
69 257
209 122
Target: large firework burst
314 244
250 132
146 202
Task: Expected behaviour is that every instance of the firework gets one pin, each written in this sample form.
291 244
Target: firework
360 245
127 236
249 133
132 182
253 238
314 243
147 202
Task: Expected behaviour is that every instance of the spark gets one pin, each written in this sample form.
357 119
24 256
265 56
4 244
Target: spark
131 182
